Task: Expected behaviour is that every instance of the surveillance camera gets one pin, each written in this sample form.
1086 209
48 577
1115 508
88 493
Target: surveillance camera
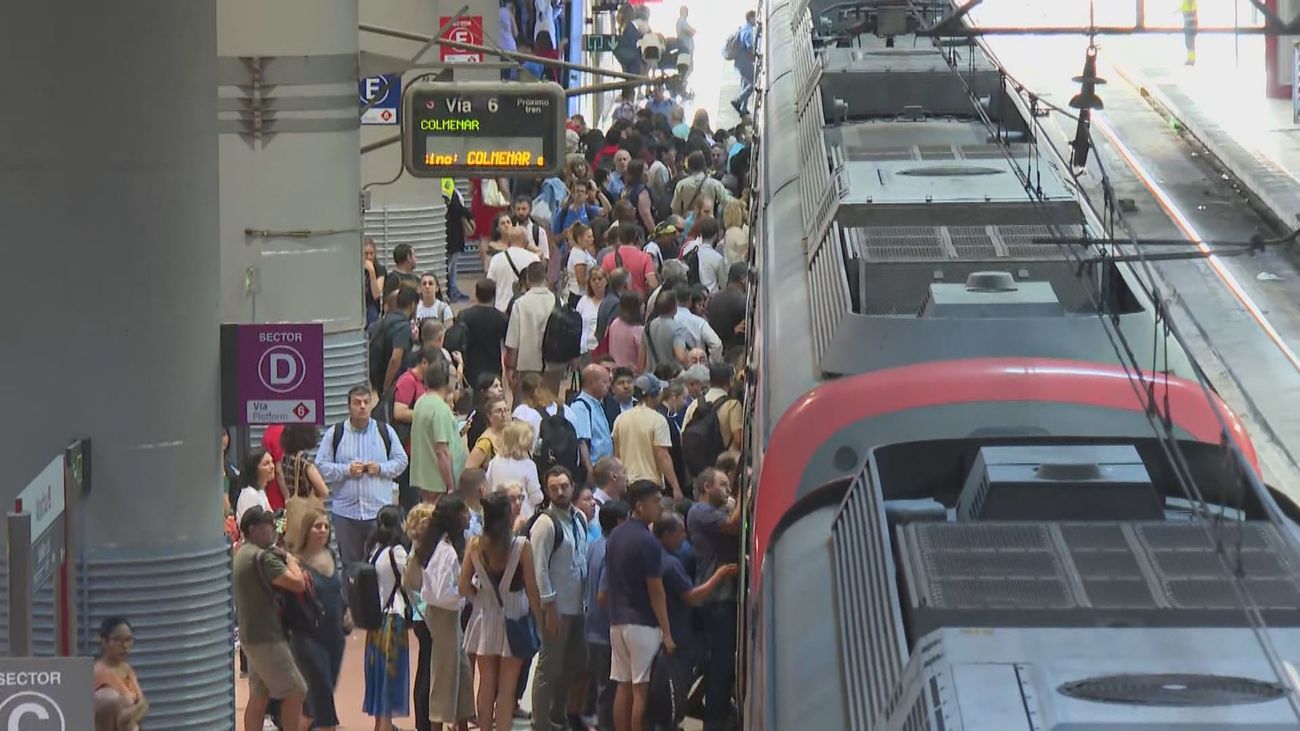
652 47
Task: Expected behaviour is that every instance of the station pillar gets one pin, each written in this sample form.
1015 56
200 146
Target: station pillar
289 151
109 195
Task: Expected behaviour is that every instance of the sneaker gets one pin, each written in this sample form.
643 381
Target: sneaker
522 714
269 725
735 104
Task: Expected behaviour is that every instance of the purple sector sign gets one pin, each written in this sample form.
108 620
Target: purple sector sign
281 373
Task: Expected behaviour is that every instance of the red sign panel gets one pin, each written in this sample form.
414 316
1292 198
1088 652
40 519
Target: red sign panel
467 29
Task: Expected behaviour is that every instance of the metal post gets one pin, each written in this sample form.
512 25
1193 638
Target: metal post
20 583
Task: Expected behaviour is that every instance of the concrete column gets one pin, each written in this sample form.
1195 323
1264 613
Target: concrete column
108 193
290 190
288 149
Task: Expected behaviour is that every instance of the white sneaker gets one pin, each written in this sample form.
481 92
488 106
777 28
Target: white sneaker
269 725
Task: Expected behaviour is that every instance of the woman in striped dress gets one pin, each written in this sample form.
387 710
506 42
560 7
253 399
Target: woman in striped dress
497 560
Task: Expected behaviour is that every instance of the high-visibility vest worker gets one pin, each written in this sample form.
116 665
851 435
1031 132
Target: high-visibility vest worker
1188 8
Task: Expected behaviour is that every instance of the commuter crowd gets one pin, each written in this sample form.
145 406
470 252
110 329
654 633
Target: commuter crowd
537 483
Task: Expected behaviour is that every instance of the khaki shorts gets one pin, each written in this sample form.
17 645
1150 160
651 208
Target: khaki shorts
632 651
272 673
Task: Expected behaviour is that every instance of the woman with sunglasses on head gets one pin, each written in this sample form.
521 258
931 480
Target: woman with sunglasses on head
120 705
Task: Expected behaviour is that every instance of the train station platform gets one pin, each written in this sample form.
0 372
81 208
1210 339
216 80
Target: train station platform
1221 103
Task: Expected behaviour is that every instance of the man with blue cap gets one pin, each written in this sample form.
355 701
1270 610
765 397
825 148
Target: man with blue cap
642 438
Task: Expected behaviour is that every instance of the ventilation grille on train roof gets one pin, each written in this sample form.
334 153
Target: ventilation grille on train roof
1015 569
881 244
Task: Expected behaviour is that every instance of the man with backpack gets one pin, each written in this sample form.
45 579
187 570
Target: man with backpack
741 49
531 324
696 186
359 458
522 214
259 571
705 264
391 342
507 266
558 536
587 412
714 423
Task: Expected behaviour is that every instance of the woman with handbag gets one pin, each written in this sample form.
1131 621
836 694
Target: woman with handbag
387 662
319 652
507 610
442 550
300 481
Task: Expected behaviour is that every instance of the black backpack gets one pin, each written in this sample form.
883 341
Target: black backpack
384 435
381 348
363 593
702 439
557 444
559 533
456 337
299 612
662 204
669 691
562 337
692 261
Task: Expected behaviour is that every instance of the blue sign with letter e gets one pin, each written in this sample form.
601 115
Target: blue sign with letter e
387 91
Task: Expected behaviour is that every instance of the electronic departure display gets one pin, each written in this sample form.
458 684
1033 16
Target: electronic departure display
482 129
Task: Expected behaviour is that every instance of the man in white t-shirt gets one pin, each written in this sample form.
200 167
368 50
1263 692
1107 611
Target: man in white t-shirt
538 241
712 264
524 332
508 266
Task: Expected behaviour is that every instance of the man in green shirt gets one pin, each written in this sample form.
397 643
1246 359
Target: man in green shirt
438 452
272 672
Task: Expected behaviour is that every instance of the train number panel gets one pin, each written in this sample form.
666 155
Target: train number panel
514 129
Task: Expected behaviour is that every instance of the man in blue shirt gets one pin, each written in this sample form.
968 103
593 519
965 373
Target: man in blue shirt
745 61
359 466
612 515
587 414
660 103
681 592
715 534
638 613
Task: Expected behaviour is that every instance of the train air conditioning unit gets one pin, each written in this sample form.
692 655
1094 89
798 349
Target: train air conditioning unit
992 294
1068 482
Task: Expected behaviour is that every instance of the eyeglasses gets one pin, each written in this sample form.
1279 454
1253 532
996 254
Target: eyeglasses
515 498
122 640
